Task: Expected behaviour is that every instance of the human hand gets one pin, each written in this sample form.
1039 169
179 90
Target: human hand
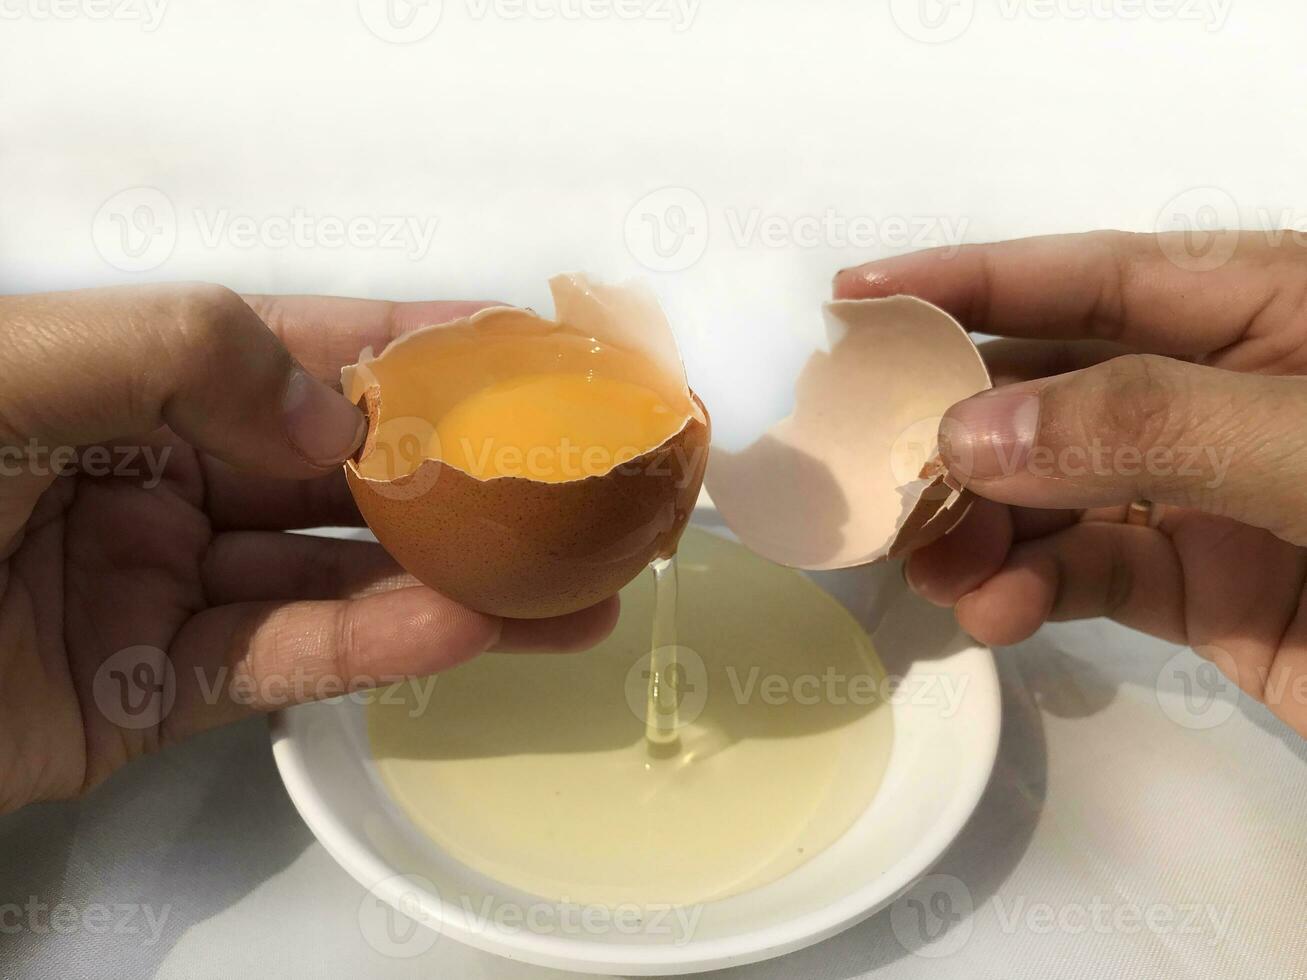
1185 389
159 573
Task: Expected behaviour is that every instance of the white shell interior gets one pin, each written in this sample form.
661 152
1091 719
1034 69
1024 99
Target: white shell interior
830 485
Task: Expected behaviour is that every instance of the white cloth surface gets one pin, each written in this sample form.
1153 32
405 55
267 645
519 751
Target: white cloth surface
531 141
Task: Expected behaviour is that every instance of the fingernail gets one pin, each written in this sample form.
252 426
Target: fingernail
321 425
990 435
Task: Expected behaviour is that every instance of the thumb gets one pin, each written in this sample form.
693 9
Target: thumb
1140 427
100 364
97 365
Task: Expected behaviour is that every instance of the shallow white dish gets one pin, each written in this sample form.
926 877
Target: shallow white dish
946 727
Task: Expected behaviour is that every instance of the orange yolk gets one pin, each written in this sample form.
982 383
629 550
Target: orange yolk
552 427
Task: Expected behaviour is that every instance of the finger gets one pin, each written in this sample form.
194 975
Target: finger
324 333
1140 427
253 566
232 660
561 634
237 500
1036 522
1128 573
1104 285
89 366
327 332
950 567
1011 360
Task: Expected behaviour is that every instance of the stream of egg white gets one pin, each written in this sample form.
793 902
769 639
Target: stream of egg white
662 714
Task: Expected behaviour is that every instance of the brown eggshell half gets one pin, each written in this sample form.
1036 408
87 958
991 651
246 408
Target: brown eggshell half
853 474
512 546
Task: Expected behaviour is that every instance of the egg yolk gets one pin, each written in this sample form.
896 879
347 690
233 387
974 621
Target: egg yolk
552 427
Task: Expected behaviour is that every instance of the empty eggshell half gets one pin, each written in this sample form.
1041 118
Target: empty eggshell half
511 545
853 474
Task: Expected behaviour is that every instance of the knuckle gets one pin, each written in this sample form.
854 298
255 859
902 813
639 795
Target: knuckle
219 335
1140 400
209 314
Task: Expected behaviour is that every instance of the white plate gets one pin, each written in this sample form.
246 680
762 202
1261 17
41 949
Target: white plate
946 727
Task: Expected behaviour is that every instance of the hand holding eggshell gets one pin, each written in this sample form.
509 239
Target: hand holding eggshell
519 541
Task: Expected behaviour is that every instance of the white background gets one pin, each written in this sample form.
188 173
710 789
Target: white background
135 147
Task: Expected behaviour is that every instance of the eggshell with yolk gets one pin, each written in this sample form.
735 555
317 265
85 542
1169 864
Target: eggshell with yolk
513 546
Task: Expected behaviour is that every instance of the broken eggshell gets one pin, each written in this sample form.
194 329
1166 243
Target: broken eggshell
853 474
511 545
